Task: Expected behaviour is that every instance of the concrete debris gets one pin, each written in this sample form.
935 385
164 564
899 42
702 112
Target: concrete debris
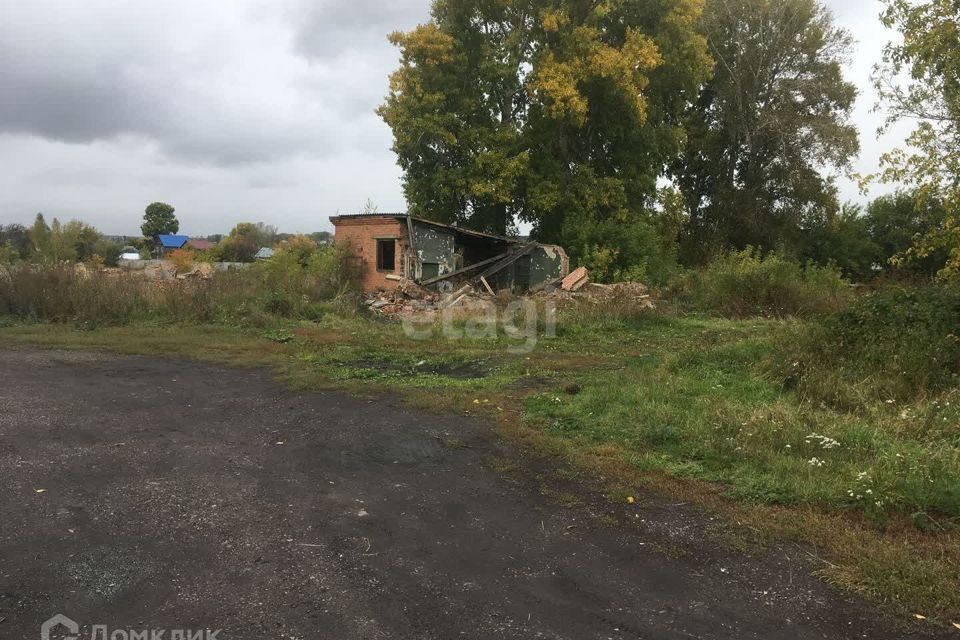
160 271
576 280
202 270
409 298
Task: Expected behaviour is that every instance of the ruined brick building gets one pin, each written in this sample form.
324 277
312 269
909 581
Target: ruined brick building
386 248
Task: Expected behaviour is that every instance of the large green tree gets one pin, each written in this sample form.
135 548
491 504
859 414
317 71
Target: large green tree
920 81
561 113
159 219
775 113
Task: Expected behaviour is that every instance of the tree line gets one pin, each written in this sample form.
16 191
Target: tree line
76 241
640 135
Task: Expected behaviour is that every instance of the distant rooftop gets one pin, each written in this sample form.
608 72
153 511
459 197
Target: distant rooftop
173 242
200 244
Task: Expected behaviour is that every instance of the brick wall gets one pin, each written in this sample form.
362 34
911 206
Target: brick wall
361 235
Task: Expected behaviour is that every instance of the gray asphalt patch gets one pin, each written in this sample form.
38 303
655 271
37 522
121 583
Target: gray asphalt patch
144 493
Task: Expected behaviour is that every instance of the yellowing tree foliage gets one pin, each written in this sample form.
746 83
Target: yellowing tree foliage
562 113
929 58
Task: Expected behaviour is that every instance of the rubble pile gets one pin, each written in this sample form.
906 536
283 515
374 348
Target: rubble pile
201 271
161 271
410 299
619 292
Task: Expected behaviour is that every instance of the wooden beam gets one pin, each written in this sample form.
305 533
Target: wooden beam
412 261
486 285
508 260
412 238
467 269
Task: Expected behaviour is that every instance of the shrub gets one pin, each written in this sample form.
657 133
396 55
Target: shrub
300 275
182 259
8 254
634 249
745 284
899 344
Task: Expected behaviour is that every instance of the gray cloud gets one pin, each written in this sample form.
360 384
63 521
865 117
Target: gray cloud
222 83
329 28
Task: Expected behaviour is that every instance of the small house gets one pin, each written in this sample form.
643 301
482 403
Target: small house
170 243
387 248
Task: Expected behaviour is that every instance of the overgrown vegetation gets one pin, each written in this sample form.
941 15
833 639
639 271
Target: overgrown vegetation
918 82
899 345
302 282
745 283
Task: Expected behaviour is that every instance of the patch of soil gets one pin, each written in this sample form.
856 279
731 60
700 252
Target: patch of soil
461 371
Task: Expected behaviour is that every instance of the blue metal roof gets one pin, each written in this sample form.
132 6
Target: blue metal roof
174 242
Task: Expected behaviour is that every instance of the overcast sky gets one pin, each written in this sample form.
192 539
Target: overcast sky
231 110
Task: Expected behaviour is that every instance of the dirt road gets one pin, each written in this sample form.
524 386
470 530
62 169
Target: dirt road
143 493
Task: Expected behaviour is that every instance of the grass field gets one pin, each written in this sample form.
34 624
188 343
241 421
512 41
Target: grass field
679 404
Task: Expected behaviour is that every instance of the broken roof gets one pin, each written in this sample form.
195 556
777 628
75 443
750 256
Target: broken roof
403 216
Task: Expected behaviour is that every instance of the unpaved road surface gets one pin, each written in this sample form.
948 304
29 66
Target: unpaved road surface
145 494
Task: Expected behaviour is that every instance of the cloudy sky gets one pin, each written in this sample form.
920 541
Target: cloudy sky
259 110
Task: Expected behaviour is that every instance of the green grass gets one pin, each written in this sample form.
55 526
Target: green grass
702 411
685 404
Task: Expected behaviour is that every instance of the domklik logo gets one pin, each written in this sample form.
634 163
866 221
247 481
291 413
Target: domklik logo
59 620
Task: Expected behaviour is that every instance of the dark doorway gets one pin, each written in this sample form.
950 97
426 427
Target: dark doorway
386 255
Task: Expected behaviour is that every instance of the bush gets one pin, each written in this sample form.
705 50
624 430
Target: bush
634 249
8 254
896 345
182 259
745 284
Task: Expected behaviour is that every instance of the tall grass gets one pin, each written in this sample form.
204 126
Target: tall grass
291 286
893 346
746 283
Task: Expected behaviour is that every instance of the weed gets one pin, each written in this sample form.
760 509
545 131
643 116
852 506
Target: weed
746 284
892 347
